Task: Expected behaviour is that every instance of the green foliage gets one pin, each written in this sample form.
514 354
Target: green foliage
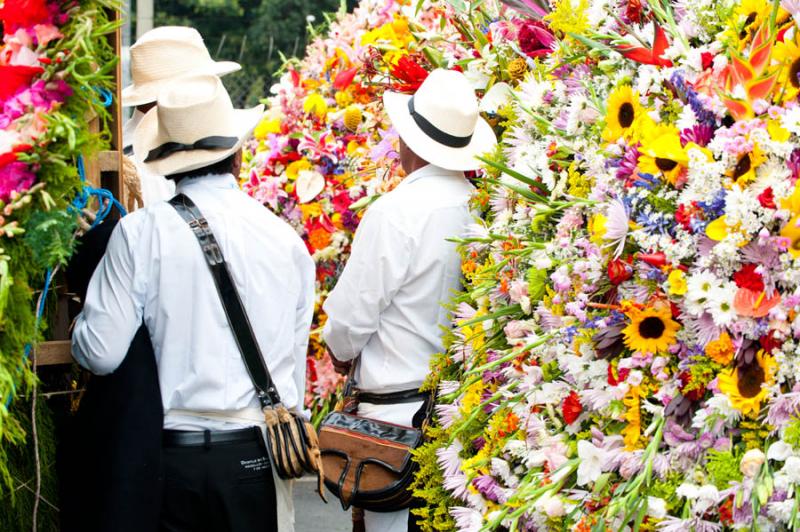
49 237
723 467
791 433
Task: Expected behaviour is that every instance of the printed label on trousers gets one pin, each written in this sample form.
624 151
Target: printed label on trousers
255 465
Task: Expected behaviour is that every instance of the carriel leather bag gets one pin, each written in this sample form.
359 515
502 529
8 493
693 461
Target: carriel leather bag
367 462
291 440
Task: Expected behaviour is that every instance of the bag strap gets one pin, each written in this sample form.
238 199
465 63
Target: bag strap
231 302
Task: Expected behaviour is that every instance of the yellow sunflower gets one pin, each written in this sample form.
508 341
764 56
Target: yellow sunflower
662 154
744 172
651 330
633 430
787 53
744 386
624 113
749 16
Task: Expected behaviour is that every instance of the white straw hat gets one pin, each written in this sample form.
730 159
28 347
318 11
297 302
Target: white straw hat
192 126
441 122
165 53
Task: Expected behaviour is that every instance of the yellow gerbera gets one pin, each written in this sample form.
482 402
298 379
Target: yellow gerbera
624 113
744 386
663 154
651 330
788 54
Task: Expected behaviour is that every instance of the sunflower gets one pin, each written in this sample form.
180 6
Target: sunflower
787 53
744 172
662 154
744 386
650 330
749 16
624 114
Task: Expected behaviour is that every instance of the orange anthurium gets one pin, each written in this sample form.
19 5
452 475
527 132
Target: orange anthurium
649 56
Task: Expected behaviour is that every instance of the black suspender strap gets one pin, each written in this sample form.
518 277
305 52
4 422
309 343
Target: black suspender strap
231 302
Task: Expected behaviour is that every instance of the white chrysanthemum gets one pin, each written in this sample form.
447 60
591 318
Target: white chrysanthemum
720 304
699 287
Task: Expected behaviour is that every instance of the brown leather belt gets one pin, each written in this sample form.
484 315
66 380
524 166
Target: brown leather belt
208 438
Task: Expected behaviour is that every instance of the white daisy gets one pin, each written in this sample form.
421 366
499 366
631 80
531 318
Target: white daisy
721 304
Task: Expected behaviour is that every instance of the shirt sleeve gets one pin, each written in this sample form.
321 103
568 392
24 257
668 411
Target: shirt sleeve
377 267
304 317
112 313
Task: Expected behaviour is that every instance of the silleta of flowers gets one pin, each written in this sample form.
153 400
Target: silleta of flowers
625 354
325 149
49 88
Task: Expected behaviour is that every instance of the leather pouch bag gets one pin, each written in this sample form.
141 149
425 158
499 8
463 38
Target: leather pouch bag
291 440
367 462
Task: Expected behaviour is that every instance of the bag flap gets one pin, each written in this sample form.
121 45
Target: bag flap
398 434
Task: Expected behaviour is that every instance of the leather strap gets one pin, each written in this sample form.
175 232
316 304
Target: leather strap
391 398
231 302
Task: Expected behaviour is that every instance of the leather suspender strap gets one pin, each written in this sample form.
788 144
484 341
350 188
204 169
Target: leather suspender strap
231 302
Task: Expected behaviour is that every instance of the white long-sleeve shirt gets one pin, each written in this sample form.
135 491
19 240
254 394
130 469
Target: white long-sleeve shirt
154 187
387 305
154 269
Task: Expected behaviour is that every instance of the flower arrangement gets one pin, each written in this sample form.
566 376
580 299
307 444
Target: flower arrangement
624 355
49 85
324 149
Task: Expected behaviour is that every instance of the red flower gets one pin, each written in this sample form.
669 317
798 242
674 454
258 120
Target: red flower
409 75
649 56
619 271
767 198
684 216
11 156
657 259
622 374
25 14
571 408
535 40
708 60
344 78
748 277
14 78
770 341
693 395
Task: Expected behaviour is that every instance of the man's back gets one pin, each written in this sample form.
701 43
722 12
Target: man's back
404 268
200 367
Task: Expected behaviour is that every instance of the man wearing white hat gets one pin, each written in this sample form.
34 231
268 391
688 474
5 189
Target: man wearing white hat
386 308
158 58
217 476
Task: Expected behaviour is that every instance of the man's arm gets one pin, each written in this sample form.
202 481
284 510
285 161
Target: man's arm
111 313
304 317
374 273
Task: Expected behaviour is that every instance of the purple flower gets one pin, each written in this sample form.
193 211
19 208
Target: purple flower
701 134
489 488
627 165
15 177
794 163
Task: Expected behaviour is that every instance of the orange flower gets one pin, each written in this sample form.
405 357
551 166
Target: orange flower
319 238
721 349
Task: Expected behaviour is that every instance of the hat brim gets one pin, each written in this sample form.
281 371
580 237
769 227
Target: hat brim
461 159
147 138
134 95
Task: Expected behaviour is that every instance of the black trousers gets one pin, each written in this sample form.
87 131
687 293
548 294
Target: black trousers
224 487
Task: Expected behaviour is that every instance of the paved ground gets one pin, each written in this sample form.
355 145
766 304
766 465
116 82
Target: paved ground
313 515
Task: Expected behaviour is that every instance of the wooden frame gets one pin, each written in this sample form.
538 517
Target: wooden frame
102 171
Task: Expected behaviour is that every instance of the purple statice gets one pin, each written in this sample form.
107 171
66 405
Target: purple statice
701 134
489 488
627 164
690 96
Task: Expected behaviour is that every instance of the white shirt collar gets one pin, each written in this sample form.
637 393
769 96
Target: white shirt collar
220 181
429 170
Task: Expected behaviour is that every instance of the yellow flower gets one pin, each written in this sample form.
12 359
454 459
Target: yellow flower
315 104
294 168
677 282
792 203
472 397
651 330
792 231
745 170
633 430
624 114
777 132
310 210
517 68
744 385
267 126
569 16
343 98
352 117
663 154
597 228
788 54
749 16
721 349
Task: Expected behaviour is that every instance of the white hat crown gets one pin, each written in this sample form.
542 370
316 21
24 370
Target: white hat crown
447 101
196 108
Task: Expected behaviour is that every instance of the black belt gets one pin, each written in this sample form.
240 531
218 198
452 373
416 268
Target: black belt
392 398
208 438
